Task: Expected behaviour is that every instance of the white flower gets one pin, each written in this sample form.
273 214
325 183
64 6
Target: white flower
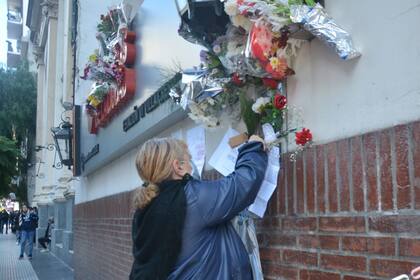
200 117
217 49
241 21
233 49
211 101
259 103
231 8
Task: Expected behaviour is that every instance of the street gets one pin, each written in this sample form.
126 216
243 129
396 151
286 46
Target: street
42 267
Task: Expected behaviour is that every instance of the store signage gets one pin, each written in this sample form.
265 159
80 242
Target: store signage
159 97
93 152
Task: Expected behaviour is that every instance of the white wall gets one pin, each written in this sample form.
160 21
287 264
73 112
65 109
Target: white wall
339 98
121 175
380 89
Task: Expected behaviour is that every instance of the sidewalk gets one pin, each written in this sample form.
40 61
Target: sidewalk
44 266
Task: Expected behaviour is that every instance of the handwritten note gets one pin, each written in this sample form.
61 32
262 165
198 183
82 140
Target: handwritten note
269 184
196 141
224 158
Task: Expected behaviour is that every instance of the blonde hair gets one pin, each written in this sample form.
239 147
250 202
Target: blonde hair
154 165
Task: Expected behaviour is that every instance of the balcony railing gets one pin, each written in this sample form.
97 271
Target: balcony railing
14 16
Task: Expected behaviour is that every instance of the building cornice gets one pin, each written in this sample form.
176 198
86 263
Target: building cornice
49 10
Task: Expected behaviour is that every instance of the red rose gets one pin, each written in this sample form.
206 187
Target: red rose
279 101
237 80
270 83
303 137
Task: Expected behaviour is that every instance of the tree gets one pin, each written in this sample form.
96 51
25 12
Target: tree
17 103
17 122
8 158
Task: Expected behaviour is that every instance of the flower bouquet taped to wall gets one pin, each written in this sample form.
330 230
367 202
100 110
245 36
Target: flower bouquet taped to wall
110 66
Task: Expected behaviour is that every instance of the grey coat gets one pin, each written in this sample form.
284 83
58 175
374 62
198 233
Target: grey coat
211 249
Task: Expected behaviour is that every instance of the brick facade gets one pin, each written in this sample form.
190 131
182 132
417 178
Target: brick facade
347 210
102 238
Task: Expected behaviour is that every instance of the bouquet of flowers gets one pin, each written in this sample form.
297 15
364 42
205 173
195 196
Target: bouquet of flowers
103 69
109 24
96 96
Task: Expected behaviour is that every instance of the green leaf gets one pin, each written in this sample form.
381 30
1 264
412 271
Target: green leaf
250 118
310 3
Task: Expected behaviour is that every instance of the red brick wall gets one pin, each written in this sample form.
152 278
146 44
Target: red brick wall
347 210
102 238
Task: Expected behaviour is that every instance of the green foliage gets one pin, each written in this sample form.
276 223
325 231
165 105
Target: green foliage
273 116
17 103
284 10
8 158
310 3
250 118
17 122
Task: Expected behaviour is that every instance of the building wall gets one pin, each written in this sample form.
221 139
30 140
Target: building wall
345 210
338 99
380 89
348 208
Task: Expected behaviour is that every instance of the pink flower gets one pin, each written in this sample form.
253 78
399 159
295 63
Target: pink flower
261 41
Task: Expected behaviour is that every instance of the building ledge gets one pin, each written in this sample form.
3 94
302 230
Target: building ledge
162 117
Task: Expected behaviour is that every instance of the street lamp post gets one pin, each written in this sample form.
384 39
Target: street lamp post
63 143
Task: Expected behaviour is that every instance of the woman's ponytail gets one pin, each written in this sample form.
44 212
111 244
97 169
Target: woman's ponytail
154 165
144 195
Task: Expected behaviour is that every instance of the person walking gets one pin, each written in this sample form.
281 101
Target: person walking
17 226
181 226
4 220
27 221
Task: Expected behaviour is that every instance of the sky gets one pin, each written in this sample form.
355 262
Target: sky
3 31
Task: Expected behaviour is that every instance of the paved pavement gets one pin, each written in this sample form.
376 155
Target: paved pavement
44 266
10 267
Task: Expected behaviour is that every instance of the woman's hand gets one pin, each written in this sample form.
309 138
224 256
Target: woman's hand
257 139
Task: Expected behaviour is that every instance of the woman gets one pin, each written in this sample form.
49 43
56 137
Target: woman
181 227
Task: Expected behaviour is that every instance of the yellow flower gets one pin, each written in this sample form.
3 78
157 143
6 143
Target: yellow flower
274 62
93 57
93 101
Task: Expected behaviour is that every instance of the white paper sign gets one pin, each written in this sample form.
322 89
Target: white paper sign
224 158
269 184
196 141
258 207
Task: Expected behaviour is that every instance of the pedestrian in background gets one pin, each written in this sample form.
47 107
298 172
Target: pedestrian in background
28 220
4 220
181 228
17 225
46 240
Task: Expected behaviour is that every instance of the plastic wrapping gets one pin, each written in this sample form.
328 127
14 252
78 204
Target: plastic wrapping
129 9
236 53
244 226
321 25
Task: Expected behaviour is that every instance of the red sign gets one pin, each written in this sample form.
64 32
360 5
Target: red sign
117 98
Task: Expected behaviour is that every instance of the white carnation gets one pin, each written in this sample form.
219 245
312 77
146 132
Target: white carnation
231 8
260 103
241 21
217 49
233 49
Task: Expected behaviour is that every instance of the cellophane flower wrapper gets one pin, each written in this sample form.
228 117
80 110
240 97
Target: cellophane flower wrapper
244 226
266 50
129 9
97 94
262 10
321 25
233 54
